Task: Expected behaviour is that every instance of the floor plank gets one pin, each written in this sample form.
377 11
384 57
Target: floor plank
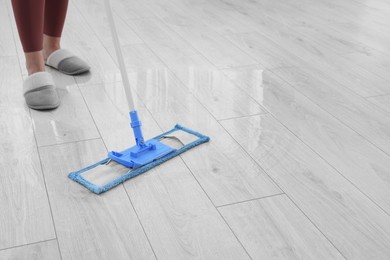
131 9
213 46
7 45
374 61
372 36
333 11
218 15
25 211
337 43
264 50
274 228
91 9
40 251
356 226
353 156
90 226
377 5
381 101
81 40
354 111
11 93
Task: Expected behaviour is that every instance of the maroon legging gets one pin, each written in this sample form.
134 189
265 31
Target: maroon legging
37 17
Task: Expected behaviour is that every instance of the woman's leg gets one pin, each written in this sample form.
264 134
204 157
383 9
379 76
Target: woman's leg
54 19
40 25
29 16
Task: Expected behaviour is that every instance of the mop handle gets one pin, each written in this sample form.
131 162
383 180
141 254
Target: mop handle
119 56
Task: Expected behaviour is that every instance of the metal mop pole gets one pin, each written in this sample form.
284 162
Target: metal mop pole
135 123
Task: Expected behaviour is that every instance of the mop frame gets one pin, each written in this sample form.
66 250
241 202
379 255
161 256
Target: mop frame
76 176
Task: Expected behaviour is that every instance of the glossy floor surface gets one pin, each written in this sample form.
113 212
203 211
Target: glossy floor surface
294 94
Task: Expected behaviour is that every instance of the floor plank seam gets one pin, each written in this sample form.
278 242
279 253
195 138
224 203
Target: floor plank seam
47 195
256 62
139 220
244 201
244 116
275 182
235 235
375 96
28 244
292 201
71 142
240 67
216 208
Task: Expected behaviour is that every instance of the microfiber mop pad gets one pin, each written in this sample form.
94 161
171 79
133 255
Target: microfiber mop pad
121 174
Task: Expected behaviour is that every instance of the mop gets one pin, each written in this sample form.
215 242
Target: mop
144 155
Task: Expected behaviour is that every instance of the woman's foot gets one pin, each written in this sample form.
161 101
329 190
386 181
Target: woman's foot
67 63
38 88
40 92
60 59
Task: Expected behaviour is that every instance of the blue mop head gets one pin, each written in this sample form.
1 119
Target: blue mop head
76 176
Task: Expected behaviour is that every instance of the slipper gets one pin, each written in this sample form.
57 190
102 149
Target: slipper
40 92
67 63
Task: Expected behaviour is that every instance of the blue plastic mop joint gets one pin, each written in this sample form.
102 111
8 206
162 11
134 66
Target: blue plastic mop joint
143 152
139 137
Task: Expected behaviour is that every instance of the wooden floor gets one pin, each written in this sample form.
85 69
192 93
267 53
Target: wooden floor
295 96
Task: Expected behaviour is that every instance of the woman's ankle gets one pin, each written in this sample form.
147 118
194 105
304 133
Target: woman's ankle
34 62
50 45
35 69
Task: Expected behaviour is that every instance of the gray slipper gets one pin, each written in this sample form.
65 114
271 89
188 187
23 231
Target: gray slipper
40 92
67 63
